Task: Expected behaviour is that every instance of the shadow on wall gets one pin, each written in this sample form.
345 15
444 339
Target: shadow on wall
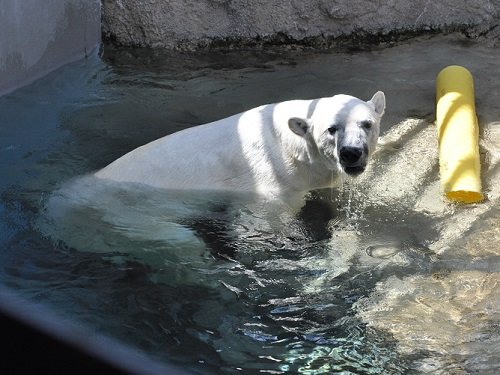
39 38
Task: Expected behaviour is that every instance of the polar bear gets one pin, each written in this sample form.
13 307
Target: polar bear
279 150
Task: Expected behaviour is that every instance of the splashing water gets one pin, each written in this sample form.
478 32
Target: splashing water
351 200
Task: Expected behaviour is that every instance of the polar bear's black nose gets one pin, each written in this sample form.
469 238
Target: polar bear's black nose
350 155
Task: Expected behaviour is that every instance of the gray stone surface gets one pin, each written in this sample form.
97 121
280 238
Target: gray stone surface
37 37
190 24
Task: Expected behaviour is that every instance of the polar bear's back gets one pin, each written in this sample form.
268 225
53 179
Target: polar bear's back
199 157
243 152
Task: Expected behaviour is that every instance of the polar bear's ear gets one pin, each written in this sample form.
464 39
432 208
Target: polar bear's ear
378 102
299 126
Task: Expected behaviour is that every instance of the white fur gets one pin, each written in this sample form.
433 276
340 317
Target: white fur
277 149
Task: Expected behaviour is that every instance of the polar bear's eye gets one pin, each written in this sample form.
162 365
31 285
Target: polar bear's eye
332 129
366 124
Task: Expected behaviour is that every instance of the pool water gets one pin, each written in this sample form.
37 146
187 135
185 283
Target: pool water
377 276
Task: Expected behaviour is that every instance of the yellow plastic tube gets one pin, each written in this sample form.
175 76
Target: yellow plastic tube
458 135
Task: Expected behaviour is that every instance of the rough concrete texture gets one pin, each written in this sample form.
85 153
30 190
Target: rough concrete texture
190 24
38 37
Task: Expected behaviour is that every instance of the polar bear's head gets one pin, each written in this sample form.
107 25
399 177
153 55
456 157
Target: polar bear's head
342 132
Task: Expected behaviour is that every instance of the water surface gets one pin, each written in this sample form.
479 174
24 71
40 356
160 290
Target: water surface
378 276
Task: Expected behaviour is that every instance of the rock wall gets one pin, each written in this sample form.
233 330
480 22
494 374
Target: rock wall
37 37
191 24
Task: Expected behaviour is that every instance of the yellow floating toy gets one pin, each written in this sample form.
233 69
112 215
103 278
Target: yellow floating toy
458 135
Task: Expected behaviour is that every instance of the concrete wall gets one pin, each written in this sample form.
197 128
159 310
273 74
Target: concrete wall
38 36
190 24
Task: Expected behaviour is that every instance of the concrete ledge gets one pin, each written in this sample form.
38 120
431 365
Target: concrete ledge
193 24
40 36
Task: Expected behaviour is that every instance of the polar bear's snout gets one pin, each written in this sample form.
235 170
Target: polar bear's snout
353 159
350 155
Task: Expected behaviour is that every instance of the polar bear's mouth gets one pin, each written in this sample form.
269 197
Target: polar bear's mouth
354 171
